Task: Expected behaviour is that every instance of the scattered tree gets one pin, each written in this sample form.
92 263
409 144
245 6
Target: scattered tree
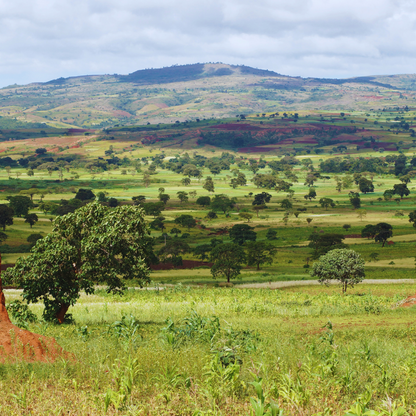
345 266
6 216
228 259
186 220
260 252
31 219
240 233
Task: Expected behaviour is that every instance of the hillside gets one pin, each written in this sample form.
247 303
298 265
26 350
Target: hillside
191 92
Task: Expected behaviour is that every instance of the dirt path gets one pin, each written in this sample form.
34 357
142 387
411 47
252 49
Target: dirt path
278 285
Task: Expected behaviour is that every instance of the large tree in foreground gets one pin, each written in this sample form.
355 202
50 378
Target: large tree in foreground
343 265
95 244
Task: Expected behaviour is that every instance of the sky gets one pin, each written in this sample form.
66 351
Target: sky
42 40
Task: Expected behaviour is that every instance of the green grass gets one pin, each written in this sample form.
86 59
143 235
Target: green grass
370 348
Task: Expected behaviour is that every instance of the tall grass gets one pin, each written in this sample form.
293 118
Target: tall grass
188 351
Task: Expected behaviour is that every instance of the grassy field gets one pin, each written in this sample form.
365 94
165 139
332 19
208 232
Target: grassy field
189 351
194 348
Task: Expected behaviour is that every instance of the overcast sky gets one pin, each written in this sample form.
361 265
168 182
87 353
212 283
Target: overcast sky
45 39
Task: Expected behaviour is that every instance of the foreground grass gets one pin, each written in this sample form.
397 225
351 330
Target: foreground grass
194 364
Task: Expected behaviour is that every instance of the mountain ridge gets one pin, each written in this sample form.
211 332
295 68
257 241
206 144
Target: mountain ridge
191 92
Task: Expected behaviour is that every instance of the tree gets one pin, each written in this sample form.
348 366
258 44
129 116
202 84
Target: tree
355 199
282 186
41 151
343 265
271 234
209 184
33 238
138 200
412 218
240 233
81 251
222 203
113 202
346 227
258 208
31 219
365 185
228 259
401 189
164 198
259 252
323 243
102 196
204 201
326 202
383 232
369 231
20 205
388 194
158 223
202 251
374 256
85 195
286 204
30 192
175 231
261 199
186 220
361 213
172 251
183 196
311 194
153 208
211 215
185 181
6 216
245 216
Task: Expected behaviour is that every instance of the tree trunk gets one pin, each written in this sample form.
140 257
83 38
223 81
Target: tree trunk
60 315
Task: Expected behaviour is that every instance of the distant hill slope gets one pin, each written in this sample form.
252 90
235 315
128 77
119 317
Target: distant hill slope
190 92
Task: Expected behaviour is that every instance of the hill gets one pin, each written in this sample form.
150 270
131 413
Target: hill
191 92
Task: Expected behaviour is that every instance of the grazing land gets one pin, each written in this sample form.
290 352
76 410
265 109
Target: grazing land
281 187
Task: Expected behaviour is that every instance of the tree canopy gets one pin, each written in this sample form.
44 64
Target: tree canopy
95 244
228 259
343 265
240 233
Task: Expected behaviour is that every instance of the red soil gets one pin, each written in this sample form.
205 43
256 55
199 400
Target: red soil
20 345
410 301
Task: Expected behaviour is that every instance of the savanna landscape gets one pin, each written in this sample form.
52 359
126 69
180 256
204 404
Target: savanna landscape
209 240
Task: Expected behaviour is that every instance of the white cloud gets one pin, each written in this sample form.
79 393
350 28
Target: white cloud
45 39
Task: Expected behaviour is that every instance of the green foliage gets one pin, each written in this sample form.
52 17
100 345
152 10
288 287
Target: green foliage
228 259
259 252
222 203
21 314
323 243
240 233
84 194
271 234
81 251
20 205
31 219
343 265
186 220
